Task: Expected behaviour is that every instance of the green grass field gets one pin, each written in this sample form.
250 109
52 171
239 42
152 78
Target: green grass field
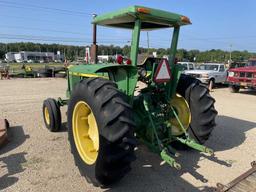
35 66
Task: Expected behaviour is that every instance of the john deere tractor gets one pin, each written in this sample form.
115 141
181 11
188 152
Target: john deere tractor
106 120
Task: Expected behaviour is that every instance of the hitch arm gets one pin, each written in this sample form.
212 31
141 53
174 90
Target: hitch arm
168 159
191 143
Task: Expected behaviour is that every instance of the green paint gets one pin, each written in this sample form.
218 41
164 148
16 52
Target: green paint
175 38
125 76
62 102
182 127
135 42
126 17
175 70
168 159
191 143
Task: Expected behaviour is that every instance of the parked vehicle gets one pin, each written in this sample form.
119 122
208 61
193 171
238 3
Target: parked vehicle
186 66
243 77
31 61
237 64
209 73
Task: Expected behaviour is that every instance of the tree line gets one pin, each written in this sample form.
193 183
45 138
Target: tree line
72 52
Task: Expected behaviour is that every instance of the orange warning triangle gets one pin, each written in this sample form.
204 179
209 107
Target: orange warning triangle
163 72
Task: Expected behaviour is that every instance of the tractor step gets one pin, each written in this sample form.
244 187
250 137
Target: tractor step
4 125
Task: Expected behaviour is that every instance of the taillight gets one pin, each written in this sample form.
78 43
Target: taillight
129 62
119 59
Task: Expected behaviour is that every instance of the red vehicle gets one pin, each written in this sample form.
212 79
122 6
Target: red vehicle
243 77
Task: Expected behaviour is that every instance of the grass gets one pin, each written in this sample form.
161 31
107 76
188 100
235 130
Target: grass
35 66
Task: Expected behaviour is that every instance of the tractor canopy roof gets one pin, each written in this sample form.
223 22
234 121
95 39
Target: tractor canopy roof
150 18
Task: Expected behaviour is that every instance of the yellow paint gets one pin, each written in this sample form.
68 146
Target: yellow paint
182 109
28 68
86 75
46 116
85 132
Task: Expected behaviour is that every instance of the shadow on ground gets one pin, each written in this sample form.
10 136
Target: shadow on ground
228 127
12 164
247 92
241 91
64 127
148 174
220 86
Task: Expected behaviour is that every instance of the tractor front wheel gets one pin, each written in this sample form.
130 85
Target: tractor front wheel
100 127
201 106
52 115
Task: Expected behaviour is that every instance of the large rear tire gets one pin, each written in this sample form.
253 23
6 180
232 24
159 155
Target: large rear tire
201 105
113 128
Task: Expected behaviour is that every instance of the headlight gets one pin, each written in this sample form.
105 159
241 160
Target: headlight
204 75
231 74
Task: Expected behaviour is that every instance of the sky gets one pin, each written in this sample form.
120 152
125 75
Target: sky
219 24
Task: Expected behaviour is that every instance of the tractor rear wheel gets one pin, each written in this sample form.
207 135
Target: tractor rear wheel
101 131
201 106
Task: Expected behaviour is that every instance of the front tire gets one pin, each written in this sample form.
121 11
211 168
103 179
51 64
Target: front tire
201 105
52 115
115 140
211 84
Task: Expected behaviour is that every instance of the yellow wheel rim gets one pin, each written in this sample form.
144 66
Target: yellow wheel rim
47 116
85 132
182 109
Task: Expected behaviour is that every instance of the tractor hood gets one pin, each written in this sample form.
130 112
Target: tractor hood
95 68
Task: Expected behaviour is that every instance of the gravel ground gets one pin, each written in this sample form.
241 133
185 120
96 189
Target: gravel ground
37 160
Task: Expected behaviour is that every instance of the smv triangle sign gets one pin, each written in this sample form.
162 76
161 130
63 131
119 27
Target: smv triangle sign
163 72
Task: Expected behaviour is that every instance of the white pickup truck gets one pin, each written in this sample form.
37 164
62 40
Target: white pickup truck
209 72
187 66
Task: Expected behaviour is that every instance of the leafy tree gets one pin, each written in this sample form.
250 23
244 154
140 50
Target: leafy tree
72 52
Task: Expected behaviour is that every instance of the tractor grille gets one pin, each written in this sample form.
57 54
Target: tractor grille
249 75
246 74
242 74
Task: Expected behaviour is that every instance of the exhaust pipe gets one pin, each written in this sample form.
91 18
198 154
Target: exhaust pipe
94 44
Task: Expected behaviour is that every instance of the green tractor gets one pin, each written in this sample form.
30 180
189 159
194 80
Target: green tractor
105 119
